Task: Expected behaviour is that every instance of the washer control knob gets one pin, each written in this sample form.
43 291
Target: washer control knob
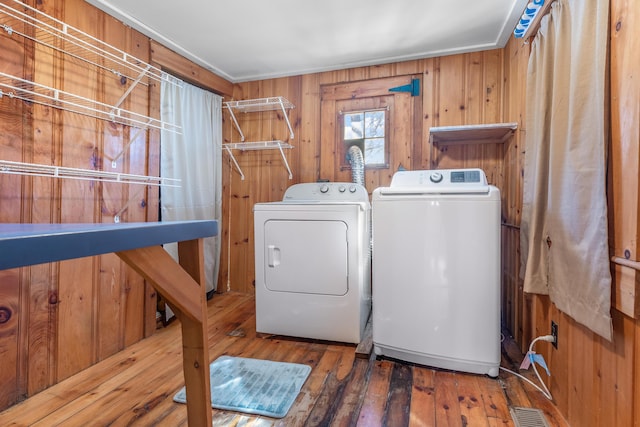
324 188
352 189
342 189
436 177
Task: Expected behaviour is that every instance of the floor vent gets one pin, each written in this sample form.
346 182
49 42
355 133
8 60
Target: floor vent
528 417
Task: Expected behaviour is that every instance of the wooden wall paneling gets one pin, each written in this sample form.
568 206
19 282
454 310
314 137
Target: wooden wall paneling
11 126
265 173
517 305
490 98
359 73
449 106
616 385
189 71
138 298
240 206
402 137
308 135
624 170
417 133
581 376
40 330
292 87
492 92
110 288
327 145
342 75
362 89
381 71
428 160
9 340
239 216
452 101
12 287
409 67
80 149
517 176
508 280
151 150
473 109
634 345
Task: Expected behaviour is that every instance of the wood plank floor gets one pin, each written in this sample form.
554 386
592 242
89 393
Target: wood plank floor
136 386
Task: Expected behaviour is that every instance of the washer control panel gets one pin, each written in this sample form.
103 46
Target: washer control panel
440 178
326 191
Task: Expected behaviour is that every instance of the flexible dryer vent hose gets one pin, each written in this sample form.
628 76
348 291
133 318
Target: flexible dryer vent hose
356 160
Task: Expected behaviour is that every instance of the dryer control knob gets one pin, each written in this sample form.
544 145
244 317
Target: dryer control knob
436 177
324 188
352 189
342 189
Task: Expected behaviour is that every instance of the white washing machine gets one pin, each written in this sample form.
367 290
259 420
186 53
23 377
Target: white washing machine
313 262
436 270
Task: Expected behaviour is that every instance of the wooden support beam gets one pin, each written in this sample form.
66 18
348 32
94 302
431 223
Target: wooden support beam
183 287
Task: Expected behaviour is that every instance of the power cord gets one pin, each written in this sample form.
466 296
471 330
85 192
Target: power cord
544 390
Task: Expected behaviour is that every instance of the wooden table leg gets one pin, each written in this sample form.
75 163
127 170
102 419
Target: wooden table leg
180 285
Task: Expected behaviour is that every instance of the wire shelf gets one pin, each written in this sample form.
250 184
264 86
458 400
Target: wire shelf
15 87
260 104
259 145
254 146
33 169
33 24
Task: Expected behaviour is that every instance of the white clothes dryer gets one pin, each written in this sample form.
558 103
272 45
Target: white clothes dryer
313 262
436 270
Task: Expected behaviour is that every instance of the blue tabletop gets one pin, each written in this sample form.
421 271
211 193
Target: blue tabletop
28 244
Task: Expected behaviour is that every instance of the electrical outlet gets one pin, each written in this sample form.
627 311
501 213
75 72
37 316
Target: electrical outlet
554 332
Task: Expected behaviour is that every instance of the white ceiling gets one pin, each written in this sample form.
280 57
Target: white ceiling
243 40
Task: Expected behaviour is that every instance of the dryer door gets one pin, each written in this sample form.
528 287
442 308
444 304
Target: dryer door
306 256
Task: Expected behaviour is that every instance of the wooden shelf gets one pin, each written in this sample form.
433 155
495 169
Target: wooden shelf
472 134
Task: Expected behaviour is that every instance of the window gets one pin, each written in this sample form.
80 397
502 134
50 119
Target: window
367 130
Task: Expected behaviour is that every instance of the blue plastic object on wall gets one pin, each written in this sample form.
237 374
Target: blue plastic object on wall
527 17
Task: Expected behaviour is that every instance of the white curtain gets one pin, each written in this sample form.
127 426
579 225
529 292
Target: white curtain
194 157
564 242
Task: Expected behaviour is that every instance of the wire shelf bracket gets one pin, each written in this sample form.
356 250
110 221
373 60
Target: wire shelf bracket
118 215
